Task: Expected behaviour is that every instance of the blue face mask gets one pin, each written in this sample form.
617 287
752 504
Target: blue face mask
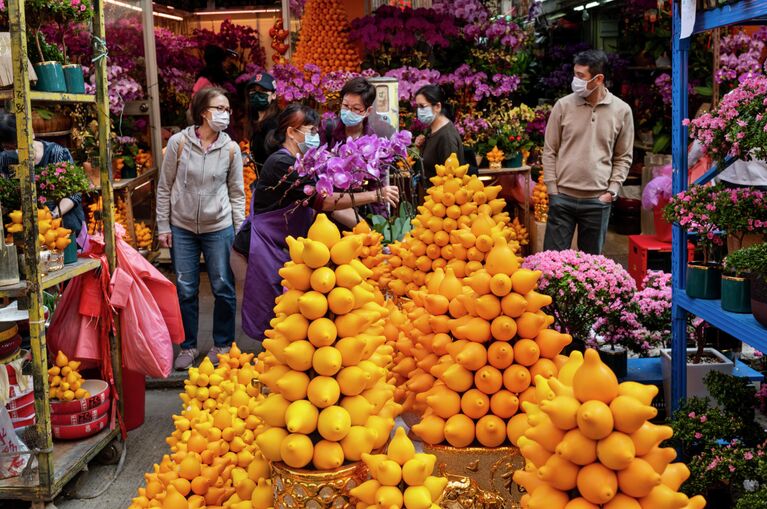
426 115
310 141
350 119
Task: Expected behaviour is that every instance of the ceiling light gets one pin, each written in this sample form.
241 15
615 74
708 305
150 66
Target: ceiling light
138 9
591 5
251 11
578 8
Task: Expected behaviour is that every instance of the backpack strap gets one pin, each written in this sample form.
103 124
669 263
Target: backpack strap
179 151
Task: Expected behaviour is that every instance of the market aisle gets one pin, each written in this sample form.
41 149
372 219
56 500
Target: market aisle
145 445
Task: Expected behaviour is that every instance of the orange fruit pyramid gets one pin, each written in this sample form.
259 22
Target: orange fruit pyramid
324 38
325 357
590 444
214 459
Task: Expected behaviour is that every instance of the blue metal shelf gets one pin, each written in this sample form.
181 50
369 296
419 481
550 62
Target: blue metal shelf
730 15
743 327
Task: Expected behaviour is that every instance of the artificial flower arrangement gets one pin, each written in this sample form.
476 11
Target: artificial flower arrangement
737 128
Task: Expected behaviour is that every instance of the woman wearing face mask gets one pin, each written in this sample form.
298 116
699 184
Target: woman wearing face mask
280 208
357 117
200 204
442 138
263 108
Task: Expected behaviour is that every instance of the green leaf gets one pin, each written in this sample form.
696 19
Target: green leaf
43 113
704 91
661 144
377 220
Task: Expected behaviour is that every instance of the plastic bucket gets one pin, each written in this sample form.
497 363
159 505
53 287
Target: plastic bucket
50 77
73 75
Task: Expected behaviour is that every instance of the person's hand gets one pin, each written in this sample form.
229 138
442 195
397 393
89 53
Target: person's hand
165 239
420 140
390 196
606 198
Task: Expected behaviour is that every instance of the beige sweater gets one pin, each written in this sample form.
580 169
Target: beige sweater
588 150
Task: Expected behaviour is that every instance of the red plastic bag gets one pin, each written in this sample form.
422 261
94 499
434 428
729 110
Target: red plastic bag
71 331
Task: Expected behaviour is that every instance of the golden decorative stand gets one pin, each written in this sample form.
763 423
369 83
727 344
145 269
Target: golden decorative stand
313 489
479 478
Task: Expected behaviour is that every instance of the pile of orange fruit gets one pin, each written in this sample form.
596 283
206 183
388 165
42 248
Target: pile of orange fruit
144 161
248 174
65 380
540 201
325 357
454 228
324 38
143 235
520 232
50 233
214 459
371 254
590 445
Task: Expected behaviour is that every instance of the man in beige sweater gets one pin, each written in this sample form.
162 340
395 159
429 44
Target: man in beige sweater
586 157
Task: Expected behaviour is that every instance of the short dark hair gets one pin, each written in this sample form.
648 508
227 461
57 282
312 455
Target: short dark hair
595 60
294 115
201 102
362 88
433 93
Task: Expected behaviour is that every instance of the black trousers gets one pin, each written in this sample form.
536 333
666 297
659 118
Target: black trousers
590 215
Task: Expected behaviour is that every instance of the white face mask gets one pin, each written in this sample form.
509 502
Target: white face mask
580 86
219 120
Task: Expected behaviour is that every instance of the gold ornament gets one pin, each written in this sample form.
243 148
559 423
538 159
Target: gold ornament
313 489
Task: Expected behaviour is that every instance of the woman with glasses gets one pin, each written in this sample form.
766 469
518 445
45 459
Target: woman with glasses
442 138
357 117
200 204
280 208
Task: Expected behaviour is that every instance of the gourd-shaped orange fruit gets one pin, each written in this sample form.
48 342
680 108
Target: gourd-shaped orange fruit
630 413
501 258
580 503
546 497
551 342
595 420
638 479
663 497
675 475
597 483
616 451
649 436
577 448
533 451
524 281
544 432
431 429
622 501
642 392
660 458
323 230
594 381
563 411
559 473
459 430
528 480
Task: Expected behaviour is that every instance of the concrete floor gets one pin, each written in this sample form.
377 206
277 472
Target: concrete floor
146 445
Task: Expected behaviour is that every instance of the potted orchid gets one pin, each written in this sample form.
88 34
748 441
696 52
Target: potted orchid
695 211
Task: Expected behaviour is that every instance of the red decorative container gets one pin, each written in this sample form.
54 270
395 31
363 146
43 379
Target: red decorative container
79 431
99 391
81 417
24 412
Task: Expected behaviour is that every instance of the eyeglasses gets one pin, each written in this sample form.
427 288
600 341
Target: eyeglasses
313 130
222 109
358 110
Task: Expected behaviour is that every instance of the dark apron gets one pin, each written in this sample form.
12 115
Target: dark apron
268 253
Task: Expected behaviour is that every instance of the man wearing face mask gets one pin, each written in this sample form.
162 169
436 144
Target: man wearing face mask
586 157
263 108
200 204
357 117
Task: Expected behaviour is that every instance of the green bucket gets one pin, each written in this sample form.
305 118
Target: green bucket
50 77
70 252
704 281
736 294
73 75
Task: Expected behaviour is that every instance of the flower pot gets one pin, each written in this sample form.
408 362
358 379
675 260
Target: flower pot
704 281
759 298
736 294
50 77
74 78
695 372
662 227
616 358
513 162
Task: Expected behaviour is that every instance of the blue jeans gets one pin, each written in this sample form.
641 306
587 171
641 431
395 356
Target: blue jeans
566 212
185 253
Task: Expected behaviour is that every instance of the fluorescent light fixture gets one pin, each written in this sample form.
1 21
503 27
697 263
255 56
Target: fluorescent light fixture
250 11
556 16
591 5
578 8
138 9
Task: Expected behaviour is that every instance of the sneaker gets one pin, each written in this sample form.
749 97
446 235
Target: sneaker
185 359
215 351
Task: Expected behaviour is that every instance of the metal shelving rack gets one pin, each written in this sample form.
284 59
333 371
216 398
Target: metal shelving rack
59 463
743 327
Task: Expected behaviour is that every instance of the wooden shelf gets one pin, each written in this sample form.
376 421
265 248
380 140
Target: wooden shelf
134 182
69 458
53 97
503 171
70 271
54 134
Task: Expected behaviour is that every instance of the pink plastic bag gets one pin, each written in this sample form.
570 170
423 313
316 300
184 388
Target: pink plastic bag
71 331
